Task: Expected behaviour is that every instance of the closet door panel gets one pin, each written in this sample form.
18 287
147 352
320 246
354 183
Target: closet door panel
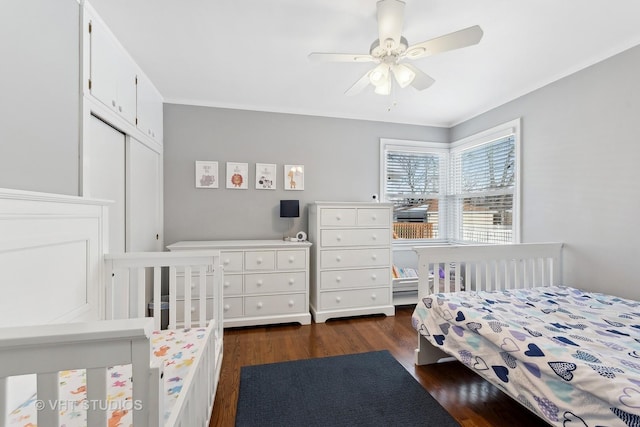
143 200
104 171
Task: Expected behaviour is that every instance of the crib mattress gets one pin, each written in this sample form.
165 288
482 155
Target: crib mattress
568 355
176 348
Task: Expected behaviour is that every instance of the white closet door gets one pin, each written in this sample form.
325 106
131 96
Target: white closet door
104 175
143 199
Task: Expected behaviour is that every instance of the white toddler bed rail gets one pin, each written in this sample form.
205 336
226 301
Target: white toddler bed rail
483 267
52 273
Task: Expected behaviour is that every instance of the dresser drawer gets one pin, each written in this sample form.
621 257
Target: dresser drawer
374 216
354 298
291 260
232 307
346 258
336 279
194 285
231 261
261 283
267 305
232 284
259 260
338 216
356 237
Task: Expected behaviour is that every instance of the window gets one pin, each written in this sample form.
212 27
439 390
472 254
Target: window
464 193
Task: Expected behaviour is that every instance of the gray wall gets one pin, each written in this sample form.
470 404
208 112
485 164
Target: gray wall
39 101
581 174
340 157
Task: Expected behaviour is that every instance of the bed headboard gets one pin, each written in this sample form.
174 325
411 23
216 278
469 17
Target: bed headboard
51 258
488 267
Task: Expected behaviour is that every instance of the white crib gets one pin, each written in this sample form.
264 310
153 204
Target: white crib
58 287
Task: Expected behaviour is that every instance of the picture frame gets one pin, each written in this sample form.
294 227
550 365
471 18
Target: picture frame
294 177
237 176
206 174
266 176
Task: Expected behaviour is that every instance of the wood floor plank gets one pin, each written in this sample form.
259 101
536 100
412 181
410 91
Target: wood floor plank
467 397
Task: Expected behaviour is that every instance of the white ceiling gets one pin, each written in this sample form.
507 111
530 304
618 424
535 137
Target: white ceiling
252 54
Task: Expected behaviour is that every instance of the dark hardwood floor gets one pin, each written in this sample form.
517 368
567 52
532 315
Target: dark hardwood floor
467 397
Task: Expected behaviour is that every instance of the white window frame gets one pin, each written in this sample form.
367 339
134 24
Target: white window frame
445 227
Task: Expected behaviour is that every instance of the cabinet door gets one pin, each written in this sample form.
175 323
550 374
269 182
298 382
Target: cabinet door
143 198
113 73
149 109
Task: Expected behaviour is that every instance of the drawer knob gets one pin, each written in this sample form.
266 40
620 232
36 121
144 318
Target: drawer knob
338 299
227 307
291 259
193 309
338 258
373 296
259 282
374 277
338 217
113 103
374 257
259 305
226 261
193 285
291 303
227 284
374 237
339 238
259 261
338 279
292 281
373 217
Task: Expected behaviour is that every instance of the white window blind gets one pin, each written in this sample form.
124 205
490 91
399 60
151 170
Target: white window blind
413 183
483 191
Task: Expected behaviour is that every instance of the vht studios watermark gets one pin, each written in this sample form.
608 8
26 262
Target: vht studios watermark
89 405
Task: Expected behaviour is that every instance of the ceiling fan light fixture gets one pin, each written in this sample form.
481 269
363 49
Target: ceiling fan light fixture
379 75
385 87
403 74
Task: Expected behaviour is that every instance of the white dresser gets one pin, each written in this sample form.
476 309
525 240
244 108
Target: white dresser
350 259
265 281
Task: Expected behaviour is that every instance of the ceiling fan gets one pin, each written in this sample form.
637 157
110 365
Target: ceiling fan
391 52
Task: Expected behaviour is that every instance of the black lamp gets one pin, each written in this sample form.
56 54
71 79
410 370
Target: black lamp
289 209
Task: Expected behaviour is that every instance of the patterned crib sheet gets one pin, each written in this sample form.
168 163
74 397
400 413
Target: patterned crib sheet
570 356
177 348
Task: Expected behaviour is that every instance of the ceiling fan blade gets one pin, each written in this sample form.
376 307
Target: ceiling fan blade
390 21
359 85
339 57
422 80
456 40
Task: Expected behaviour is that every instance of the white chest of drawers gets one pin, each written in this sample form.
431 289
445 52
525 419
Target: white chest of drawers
265 281
350 259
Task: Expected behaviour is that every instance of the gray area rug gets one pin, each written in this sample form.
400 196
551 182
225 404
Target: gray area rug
366 389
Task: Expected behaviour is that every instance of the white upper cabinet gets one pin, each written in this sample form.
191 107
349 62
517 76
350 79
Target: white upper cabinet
112 74
114 79
149 109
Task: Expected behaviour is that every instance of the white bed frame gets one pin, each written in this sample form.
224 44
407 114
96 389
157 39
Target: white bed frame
483 267
58 287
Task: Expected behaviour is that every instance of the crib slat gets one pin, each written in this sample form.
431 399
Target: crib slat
187 296
172 297
457 277
140 298
97 397
203 297
157 291
49 411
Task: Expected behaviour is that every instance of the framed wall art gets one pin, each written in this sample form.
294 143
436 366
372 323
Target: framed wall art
265 176
206 174
293 177
237 175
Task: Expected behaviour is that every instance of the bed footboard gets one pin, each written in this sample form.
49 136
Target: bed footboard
94 346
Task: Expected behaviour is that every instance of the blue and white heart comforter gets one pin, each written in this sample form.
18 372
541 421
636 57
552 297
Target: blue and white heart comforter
570 356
